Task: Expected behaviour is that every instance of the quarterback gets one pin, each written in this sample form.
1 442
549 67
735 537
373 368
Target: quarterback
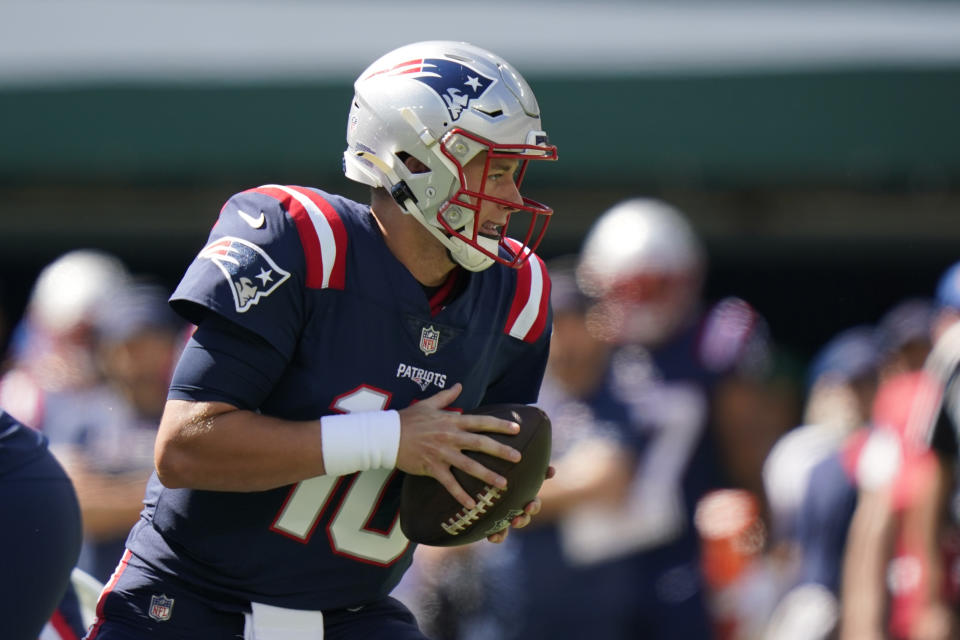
337 345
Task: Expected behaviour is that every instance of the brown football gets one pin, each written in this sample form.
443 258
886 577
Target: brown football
430 515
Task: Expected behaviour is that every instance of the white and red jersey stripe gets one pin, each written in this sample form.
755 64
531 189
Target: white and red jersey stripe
111 583
531 300
322 233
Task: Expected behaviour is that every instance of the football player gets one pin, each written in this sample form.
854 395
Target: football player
42 534
906 523
336 345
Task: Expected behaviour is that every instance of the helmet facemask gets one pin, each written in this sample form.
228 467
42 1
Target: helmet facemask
459 216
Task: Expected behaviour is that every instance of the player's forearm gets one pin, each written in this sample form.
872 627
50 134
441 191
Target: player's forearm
110 503
217 447
924 523
867 551
595 472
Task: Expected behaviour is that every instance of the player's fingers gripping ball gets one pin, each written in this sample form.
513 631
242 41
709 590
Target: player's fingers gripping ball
430 515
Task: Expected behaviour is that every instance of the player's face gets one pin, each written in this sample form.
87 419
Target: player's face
500 184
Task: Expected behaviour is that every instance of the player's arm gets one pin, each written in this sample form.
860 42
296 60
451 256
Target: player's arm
869 541
220 447
925 521
217 446
595 471
211 436
110 503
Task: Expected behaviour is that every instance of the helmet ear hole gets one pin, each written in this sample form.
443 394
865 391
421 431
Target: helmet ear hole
412 163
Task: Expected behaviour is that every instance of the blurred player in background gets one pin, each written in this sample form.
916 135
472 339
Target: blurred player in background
136 340
41 537
336 344
91 370
51 348
52 382
841 383
901 567
691 379
811 472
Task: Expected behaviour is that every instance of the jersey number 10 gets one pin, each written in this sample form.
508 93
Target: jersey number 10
348 530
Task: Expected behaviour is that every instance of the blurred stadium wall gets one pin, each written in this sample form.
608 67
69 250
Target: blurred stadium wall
816 146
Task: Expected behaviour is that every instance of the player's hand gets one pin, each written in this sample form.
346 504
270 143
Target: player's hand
433 439
531 509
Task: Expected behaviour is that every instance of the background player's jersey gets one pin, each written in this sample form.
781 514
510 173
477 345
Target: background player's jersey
310 273
661 399
631 567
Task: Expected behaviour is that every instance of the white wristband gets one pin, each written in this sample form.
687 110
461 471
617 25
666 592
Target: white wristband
360 441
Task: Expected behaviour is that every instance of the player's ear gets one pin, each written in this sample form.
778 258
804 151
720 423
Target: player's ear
414 165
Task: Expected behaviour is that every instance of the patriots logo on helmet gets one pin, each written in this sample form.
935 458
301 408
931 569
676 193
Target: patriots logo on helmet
456 83
251 272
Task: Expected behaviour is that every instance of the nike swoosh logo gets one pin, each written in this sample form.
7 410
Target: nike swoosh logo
256 223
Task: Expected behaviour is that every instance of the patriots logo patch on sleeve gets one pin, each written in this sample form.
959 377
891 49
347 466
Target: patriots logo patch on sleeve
252 273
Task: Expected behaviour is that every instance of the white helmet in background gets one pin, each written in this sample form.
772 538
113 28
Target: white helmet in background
73 287
643 262
444 103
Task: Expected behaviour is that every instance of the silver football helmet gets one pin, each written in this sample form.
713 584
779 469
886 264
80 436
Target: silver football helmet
643 262
444 103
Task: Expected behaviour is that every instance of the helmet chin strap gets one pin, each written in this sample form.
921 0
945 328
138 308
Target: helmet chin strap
460 252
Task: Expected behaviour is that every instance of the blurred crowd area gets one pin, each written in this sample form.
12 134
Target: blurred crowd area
707 480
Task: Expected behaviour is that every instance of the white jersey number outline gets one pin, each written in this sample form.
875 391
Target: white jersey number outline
653 512
349 529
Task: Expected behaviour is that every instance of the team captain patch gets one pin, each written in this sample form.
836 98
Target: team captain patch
251 272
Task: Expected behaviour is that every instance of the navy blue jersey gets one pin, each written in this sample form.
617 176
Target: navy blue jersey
661 401
825 514
310 274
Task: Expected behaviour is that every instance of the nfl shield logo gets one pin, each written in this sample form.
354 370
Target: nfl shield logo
161 608
429 340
